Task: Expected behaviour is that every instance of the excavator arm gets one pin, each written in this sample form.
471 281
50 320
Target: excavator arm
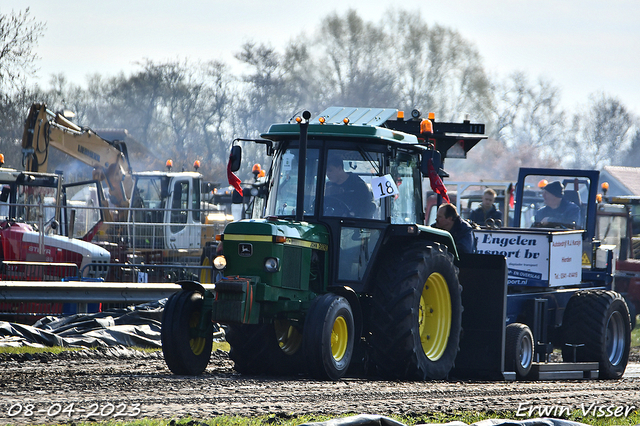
44 129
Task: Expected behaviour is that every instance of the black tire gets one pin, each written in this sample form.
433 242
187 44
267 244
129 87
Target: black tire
328 337
274 349
414 285
184 352
633 313
598 320
519 349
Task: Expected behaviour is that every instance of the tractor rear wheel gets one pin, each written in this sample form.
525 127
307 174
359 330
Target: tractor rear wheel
328 337
265 348
416 314
596 326
185 346
519 349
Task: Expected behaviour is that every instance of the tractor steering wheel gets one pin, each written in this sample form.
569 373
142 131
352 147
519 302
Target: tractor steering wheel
334 206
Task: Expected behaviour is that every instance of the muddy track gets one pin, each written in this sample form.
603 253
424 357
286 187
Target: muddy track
126 384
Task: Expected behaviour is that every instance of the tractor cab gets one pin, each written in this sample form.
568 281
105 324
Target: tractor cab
355 188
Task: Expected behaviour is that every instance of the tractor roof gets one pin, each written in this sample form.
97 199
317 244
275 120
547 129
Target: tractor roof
346 122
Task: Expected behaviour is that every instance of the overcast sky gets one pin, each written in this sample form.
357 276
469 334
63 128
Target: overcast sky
581 46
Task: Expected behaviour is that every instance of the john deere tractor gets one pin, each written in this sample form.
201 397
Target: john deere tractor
327 279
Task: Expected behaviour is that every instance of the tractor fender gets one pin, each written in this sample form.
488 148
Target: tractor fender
351 296
403 235
189 285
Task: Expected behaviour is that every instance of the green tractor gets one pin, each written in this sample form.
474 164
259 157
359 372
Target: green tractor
339 271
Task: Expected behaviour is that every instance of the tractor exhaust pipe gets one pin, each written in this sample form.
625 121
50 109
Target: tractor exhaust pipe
302 162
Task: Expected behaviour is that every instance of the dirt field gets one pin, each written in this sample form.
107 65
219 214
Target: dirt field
125 384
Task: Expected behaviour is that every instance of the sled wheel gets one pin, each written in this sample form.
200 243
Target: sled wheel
598 322
265 348
416 314
519 349
186 348
328 337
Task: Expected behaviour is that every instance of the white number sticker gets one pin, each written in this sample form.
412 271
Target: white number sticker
383 186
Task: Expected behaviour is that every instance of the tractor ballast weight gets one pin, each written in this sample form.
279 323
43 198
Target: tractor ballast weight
325 279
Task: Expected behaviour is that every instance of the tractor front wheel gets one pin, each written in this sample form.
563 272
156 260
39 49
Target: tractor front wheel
328 337
186 344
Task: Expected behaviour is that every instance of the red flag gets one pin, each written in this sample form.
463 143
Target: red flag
436 182
233 179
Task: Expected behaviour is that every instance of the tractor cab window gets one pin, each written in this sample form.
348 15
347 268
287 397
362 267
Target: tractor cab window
286 183
406 204
348 184
35 203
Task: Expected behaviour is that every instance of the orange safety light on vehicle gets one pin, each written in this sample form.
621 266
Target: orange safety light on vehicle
169 164
196 164
543 183
426 126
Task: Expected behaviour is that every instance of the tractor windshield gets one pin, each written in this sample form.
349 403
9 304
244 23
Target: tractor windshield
286 183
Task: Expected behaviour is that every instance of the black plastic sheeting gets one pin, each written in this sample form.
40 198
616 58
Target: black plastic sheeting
373 420
134 326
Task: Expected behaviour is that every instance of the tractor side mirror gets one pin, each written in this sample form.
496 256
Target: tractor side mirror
235 158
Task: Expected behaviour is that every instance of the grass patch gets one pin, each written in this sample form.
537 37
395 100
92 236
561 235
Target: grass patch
35 350
635 335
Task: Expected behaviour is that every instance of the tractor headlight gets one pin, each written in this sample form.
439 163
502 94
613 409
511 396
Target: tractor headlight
271 264
220 263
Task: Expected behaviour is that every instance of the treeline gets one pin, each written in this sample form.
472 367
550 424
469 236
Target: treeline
186 111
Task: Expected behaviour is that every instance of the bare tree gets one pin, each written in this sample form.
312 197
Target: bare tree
528 116
602 133
632 156
18 36
436 69
353 61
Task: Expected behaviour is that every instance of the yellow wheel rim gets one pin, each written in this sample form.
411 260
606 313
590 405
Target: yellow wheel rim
288 337
196 343
205 273
339 338
435 316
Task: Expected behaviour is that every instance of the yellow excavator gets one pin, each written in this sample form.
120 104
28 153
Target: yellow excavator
44 129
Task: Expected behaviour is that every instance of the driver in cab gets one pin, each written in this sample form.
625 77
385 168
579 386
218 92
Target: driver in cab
557 210
346 194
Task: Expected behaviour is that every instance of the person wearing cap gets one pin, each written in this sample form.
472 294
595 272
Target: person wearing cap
557 210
